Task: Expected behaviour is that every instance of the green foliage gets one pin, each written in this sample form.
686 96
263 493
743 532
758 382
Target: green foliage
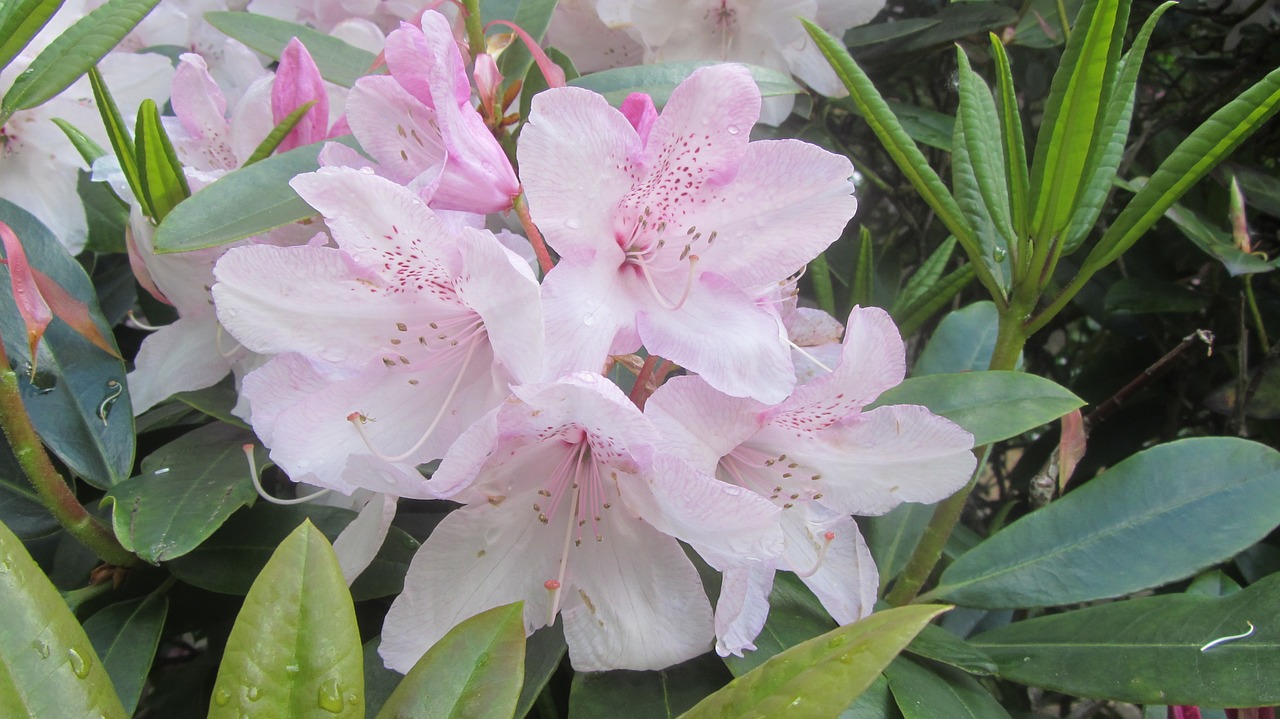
659 80
163 183
126 635
338 62
19 23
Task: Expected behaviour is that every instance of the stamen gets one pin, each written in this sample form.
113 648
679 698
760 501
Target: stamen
257 485
555 584
811 358
357 419
143 325
657 294
217 341
827 538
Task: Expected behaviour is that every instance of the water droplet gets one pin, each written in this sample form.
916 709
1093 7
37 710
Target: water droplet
80 664
252 693
221 696
999 253
42 648
847 658
291 668
589 320
572 223
834 642
330 696
733 130
482 659
367 170
353 698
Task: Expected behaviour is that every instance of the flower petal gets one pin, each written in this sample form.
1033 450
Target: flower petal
298 82
179 357
395 128
359 541
700 424
843 576
743 607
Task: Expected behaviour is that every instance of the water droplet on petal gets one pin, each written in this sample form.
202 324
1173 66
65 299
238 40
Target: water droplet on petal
329 696
221 696
572 223
367 170
733 130
80 664
353 698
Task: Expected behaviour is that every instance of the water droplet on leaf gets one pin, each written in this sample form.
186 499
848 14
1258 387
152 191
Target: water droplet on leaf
329 696
80 664
221 696
42 648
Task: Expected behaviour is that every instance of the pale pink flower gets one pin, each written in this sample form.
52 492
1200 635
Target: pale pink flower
668 227
572 511
821 458
410 329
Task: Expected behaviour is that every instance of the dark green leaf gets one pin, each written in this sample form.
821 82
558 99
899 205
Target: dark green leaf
1261 189
1217 242
88 149
106 216
278 133
1015 150
1136 295
473 671
1159 516
939 691
864 273
126 635
216 401
533 16
260 191
544 650
875 703
20 508
985 148
990 405
20 21
659 80
963 341
940 645
933 301
379 681
50 668
1148 650
955 21
294 652
187 489
893 536
663 694
884 31
163 182
822 676
924 278
338 62
228 561
78 401
71 55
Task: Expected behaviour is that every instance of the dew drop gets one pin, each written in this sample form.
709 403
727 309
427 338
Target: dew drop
352 698
733 130
291 668
42 648
572 223
80 664
252 693
221 696
847 658
329 697
834 642
999 253
367 170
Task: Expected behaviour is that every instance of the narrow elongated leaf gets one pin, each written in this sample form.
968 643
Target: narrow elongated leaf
474 671
1077 100
118 135
865 35
78 399
73 53
874 703
822 676
663 694
941 645
1203 149
939 691
338 62
278 133
261 194
20 21
1105 155
990 405
985 149
893 536
163 181
126 635
1015 147
294 651
187 489
89 150
49 666
543 652
924 278
901 147
659 80
864 274
1161 515
992 247
1149 650
1217 243
942 292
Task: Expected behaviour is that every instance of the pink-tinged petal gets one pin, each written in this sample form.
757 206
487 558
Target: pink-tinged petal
583 402
809 327
843 575
588 317
576 163
481 556
466 458
307 299
179 357
201 110
720 333
298 82
872 360
700 424
395 129
498 285
720 520
636 602
639 110
788 202
411 52
743 607
336 154
872 462
360 541
477 177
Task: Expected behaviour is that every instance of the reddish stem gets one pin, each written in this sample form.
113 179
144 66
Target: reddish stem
535 238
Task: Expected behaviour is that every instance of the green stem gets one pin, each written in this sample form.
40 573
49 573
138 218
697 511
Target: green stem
52 489
475 28
1257 315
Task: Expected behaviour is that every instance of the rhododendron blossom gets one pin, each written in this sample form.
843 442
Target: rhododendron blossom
669 226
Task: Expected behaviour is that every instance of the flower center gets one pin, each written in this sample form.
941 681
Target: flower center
780 478
647 252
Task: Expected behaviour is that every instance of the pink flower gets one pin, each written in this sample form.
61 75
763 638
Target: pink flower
821 458
410 330
668 227
570 510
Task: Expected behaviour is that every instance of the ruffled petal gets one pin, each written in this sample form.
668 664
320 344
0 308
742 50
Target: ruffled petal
359 542
743 607
179 357
588 317
843 576
395 128
700 424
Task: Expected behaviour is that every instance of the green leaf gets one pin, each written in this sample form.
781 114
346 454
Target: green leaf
983 142
20 507
78 400
228 561
88 149
126 635
338 62
1148 650
379 681
543 652
659 80
106 215
901 148
940 645
892 537
533 16
1078 98
823 675
20 21
993 250
955 21
187 489
1141 295
261 194
163 182
1203 149
1159 516
71 55
864 273
278 133
1105 155
885 31
938 296
990 405
924 278
820 278
963 342
473 671
1262 188
875 703
49 666
663 694
294 651
1015 148
118 134
939 691
1217 243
